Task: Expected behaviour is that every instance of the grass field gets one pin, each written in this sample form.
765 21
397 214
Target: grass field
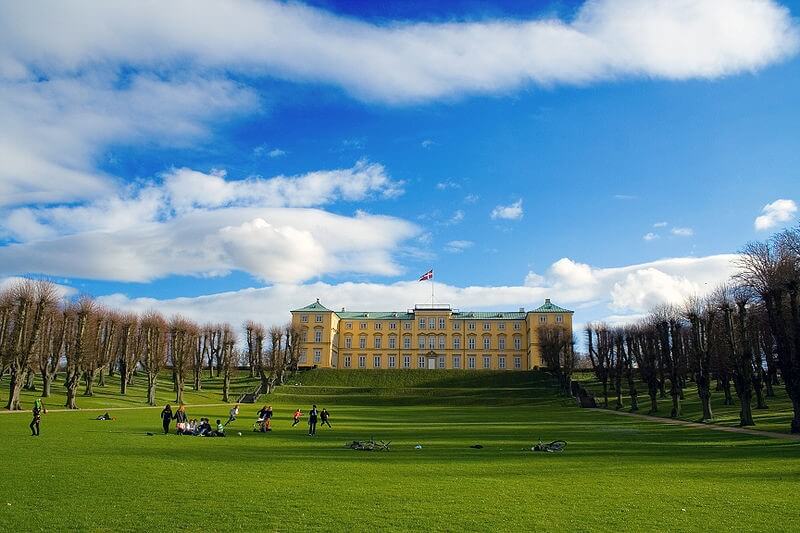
617 473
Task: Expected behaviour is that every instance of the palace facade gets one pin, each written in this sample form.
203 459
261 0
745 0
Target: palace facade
428 336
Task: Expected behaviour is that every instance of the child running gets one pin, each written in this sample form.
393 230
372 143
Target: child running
296 417
325 417
38 407
233 414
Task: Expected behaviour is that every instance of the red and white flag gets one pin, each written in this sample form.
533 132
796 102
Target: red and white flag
427 275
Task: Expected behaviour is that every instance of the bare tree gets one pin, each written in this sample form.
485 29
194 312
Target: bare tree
554 343
229 359
600 347
181 349
127 349
51 347
77 343
153 333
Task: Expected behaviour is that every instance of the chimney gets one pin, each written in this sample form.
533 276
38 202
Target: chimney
342 309
521 309
546 301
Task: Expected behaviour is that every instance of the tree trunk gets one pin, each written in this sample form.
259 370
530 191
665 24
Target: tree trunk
72 391
758 387
226 386
652 391
796 415
29 383
89 383
14 390
151 389
197 383
101 380
726 388
123 378
746 412
676 404
768 383
178 390
704 392
605 394
47 380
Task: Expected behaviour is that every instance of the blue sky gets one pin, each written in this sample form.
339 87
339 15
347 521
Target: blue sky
609 155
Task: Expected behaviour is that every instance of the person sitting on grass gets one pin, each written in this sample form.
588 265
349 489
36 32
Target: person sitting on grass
204 429
296 417
220 432
233 414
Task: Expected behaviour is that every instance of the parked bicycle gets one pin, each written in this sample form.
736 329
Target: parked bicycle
555 446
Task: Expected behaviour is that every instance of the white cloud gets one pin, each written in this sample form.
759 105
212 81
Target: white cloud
618 295
272 153
650 236
401 61
427 143
456 247
508 212
775 214
682 232
624 197
660 224
471 198
457 218
449 184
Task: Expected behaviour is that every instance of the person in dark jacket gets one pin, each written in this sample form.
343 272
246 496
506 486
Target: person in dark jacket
181 418
312 421
325 417
166 418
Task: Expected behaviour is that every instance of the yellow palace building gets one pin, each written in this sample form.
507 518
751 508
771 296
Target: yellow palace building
428 336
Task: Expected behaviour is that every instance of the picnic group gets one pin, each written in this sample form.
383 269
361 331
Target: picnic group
203 428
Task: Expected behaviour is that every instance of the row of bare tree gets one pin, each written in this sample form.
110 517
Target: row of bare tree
744 337
41 333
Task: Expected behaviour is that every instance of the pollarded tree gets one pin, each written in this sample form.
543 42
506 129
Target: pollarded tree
700 317
292 347
734 316
229 359
127 349
641 347
30 303
181 349
153 343
77 344
104 340
600 348
51 347
554 343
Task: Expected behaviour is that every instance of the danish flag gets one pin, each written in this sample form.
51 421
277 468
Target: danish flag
427 275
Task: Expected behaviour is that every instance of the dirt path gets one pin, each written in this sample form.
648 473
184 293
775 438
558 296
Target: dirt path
698 425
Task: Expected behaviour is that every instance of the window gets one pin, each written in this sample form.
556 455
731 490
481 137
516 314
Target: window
441 361
431 323
501 326
518 362
487 361
376 361
303 318
392 325
501 361
471 326
348 342
407 326
421 361
303 355
318 319
442 341
442 323
348 325
517 326
471 343
456 343
392 342
363 325
378 325
501 343
456 361
542 319
421 323
392 361
487 326
317 335
406 361
362 341
407 342
377 343
347 361
305 335
487 343
559 319
317 356
432 342
457 326
471 361
362 361
421 342
517 343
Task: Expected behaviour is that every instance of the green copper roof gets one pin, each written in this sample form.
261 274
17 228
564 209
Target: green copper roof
550 307
484 315
384 315
316 306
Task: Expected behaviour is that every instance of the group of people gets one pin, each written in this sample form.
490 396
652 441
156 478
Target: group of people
313 416
184 426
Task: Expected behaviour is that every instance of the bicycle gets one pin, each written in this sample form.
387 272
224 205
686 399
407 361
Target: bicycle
369 445
550 447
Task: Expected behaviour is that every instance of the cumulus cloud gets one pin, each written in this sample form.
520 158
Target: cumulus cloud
660 224
617 295
456 247
402 61
650 236
508 212
775 214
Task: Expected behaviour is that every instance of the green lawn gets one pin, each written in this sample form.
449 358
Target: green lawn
777 417
617 473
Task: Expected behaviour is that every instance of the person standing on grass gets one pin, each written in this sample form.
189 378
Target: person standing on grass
233 414
268 419
312 421
181 418
38 408
166 418
296 417
325 417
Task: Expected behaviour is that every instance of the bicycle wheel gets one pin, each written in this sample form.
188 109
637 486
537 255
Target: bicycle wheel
557 446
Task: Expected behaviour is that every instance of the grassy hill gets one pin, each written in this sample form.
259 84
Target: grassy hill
617 473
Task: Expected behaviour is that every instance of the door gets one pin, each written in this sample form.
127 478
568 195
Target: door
431 363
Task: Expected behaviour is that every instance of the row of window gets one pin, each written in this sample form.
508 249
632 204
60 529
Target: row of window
441 361
317 356
432 322
433 342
